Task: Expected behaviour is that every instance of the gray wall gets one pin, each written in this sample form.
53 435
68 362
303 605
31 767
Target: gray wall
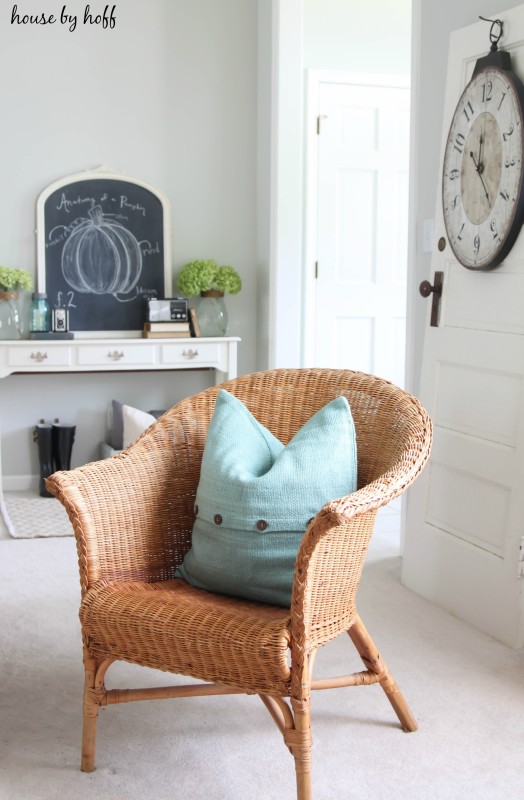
212 141
373 36
168 96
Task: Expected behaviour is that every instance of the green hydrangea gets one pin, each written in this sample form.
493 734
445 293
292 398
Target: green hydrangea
228 280
13 279
205 275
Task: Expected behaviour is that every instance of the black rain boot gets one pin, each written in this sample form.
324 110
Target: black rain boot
63 438
42 434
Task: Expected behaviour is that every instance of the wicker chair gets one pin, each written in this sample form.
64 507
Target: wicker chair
132 517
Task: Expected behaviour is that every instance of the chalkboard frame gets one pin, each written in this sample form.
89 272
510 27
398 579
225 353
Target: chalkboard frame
105 179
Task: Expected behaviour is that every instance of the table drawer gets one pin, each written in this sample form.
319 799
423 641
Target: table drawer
39 355
116 356
205 354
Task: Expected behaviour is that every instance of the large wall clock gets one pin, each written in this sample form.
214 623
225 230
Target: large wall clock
482 181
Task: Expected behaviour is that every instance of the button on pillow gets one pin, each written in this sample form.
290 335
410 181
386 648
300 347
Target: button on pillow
256 497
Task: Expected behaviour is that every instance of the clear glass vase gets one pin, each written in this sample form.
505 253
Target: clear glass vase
212 314
11 326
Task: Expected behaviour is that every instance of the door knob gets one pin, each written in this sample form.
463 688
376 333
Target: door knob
426 290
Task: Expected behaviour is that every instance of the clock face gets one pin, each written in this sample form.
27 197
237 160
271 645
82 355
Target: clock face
482 181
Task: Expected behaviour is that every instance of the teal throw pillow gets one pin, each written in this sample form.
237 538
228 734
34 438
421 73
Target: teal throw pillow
256 497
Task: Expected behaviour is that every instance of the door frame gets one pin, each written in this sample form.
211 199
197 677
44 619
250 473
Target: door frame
315 77
282 175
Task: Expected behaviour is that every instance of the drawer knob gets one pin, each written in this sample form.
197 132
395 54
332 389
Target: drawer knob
190 353
39 356
115 355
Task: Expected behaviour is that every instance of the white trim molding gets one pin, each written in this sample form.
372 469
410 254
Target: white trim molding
286 186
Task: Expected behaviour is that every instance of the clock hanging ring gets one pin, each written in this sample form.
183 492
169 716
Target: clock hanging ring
483 174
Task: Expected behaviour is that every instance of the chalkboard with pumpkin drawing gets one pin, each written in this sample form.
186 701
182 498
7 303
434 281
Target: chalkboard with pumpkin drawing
103 249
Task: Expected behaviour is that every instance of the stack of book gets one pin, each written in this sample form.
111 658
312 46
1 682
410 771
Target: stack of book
166 330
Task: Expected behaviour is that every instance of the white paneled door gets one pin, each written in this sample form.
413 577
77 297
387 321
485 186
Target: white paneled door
362 220
464 537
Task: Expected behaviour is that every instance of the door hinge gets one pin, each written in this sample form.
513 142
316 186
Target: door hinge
316 269
521 559
320 117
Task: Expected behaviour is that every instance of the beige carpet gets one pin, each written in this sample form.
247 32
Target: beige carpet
31 517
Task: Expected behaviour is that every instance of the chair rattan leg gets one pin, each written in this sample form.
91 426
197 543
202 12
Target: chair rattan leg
371 658
299 741
92 700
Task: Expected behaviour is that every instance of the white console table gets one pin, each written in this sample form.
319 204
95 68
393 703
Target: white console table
116 355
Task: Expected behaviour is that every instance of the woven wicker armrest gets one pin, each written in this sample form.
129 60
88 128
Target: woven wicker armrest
332 553
133 514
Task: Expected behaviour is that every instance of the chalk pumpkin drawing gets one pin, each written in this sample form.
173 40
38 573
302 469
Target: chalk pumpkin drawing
101 256
117 249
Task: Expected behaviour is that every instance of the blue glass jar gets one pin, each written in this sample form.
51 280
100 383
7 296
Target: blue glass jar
39 313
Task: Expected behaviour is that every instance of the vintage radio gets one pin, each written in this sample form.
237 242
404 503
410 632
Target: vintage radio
169 309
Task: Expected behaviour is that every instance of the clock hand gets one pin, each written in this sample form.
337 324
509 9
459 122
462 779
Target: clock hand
481 142
484 187
479 168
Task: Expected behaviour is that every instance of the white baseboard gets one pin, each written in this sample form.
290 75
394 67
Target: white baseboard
20 483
